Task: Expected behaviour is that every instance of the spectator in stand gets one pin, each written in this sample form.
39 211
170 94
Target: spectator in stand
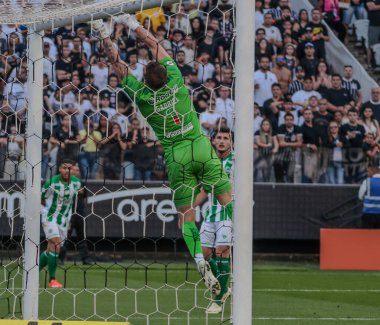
339 118
67 138
331 11
120 117
319 30
353 86
266 145
291 61
177 41
290 140
374 103
311 135
181 18
144 156
257 118
273 106
99 70
188 49
307 37
371 149
182 66
209 44
370 124
302 21
226 25
309 62
353 131
373 7
88 156
161 37
272 33
334 142
112 148
104 105
301 98
322 78
204 67
259 14
322 117
264 79
287 108
283 74
263 48
136 67
197 29
134 137
337 96
209 119
227 76
225 105
297 83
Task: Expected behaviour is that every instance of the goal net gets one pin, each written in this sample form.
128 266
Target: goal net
64 103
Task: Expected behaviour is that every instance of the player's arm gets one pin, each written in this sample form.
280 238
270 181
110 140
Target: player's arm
152 43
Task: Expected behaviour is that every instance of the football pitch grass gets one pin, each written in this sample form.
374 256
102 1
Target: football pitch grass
284 293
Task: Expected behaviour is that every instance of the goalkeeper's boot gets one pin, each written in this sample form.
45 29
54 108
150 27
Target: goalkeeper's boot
54 284
208 277
214 308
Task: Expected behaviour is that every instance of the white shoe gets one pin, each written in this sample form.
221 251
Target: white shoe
208 277
214 308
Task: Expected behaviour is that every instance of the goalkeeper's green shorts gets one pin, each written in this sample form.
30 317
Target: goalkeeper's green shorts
191 165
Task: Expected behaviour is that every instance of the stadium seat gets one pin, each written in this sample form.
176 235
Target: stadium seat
361 31
376 56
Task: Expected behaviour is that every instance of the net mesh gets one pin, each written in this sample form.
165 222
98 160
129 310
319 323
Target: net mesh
124 257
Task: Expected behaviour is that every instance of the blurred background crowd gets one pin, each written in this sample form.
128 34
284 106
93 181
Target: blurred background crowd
312 123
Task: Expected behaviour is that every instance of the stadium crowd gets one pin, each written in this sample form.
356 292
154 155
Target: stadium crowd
311 124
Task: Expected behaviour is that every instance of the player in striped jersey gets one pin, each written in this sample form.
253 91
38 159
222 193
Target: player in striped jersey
216 230
57 199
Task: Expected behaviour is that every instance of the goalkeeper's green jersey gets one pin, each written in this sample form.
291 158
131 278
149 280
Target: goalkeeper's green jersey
59 197
215 211
169 110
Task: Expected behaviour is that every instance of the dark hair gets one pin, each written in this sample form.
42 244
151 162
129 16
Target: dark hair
67 161
223 129
276 85
288 114
155 75
352 110
336 75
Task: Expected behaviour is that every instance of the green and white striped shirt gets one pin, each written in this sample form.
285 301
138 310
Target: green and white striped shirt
60 197
215 211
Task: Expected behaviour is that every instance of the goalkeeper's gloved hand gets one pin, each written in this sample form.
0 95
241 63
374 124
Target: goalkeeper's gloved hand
129 20
99 26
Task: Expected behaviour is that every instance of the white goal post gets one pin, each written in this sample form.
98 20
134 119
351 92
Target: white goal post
244 88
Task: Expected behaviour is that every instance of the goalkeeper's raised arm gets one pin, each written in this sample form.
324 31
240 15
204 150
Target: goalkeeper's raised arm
111 50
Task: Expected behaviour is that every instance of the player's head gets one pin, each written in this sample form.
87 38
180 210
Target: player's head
222 139
155 75
65 169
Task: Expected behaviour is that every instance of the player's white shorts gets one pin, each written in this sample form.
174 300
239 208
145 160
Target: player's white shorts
215 234
52 229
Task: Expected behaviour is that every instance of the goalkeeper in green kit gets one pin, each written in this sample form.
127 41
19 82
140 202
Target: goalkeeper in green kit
192 163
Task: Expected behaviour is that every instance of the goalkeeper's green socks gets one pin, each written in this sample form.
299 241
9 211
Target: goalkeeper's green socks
43 260
193 240
52 264
224 274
